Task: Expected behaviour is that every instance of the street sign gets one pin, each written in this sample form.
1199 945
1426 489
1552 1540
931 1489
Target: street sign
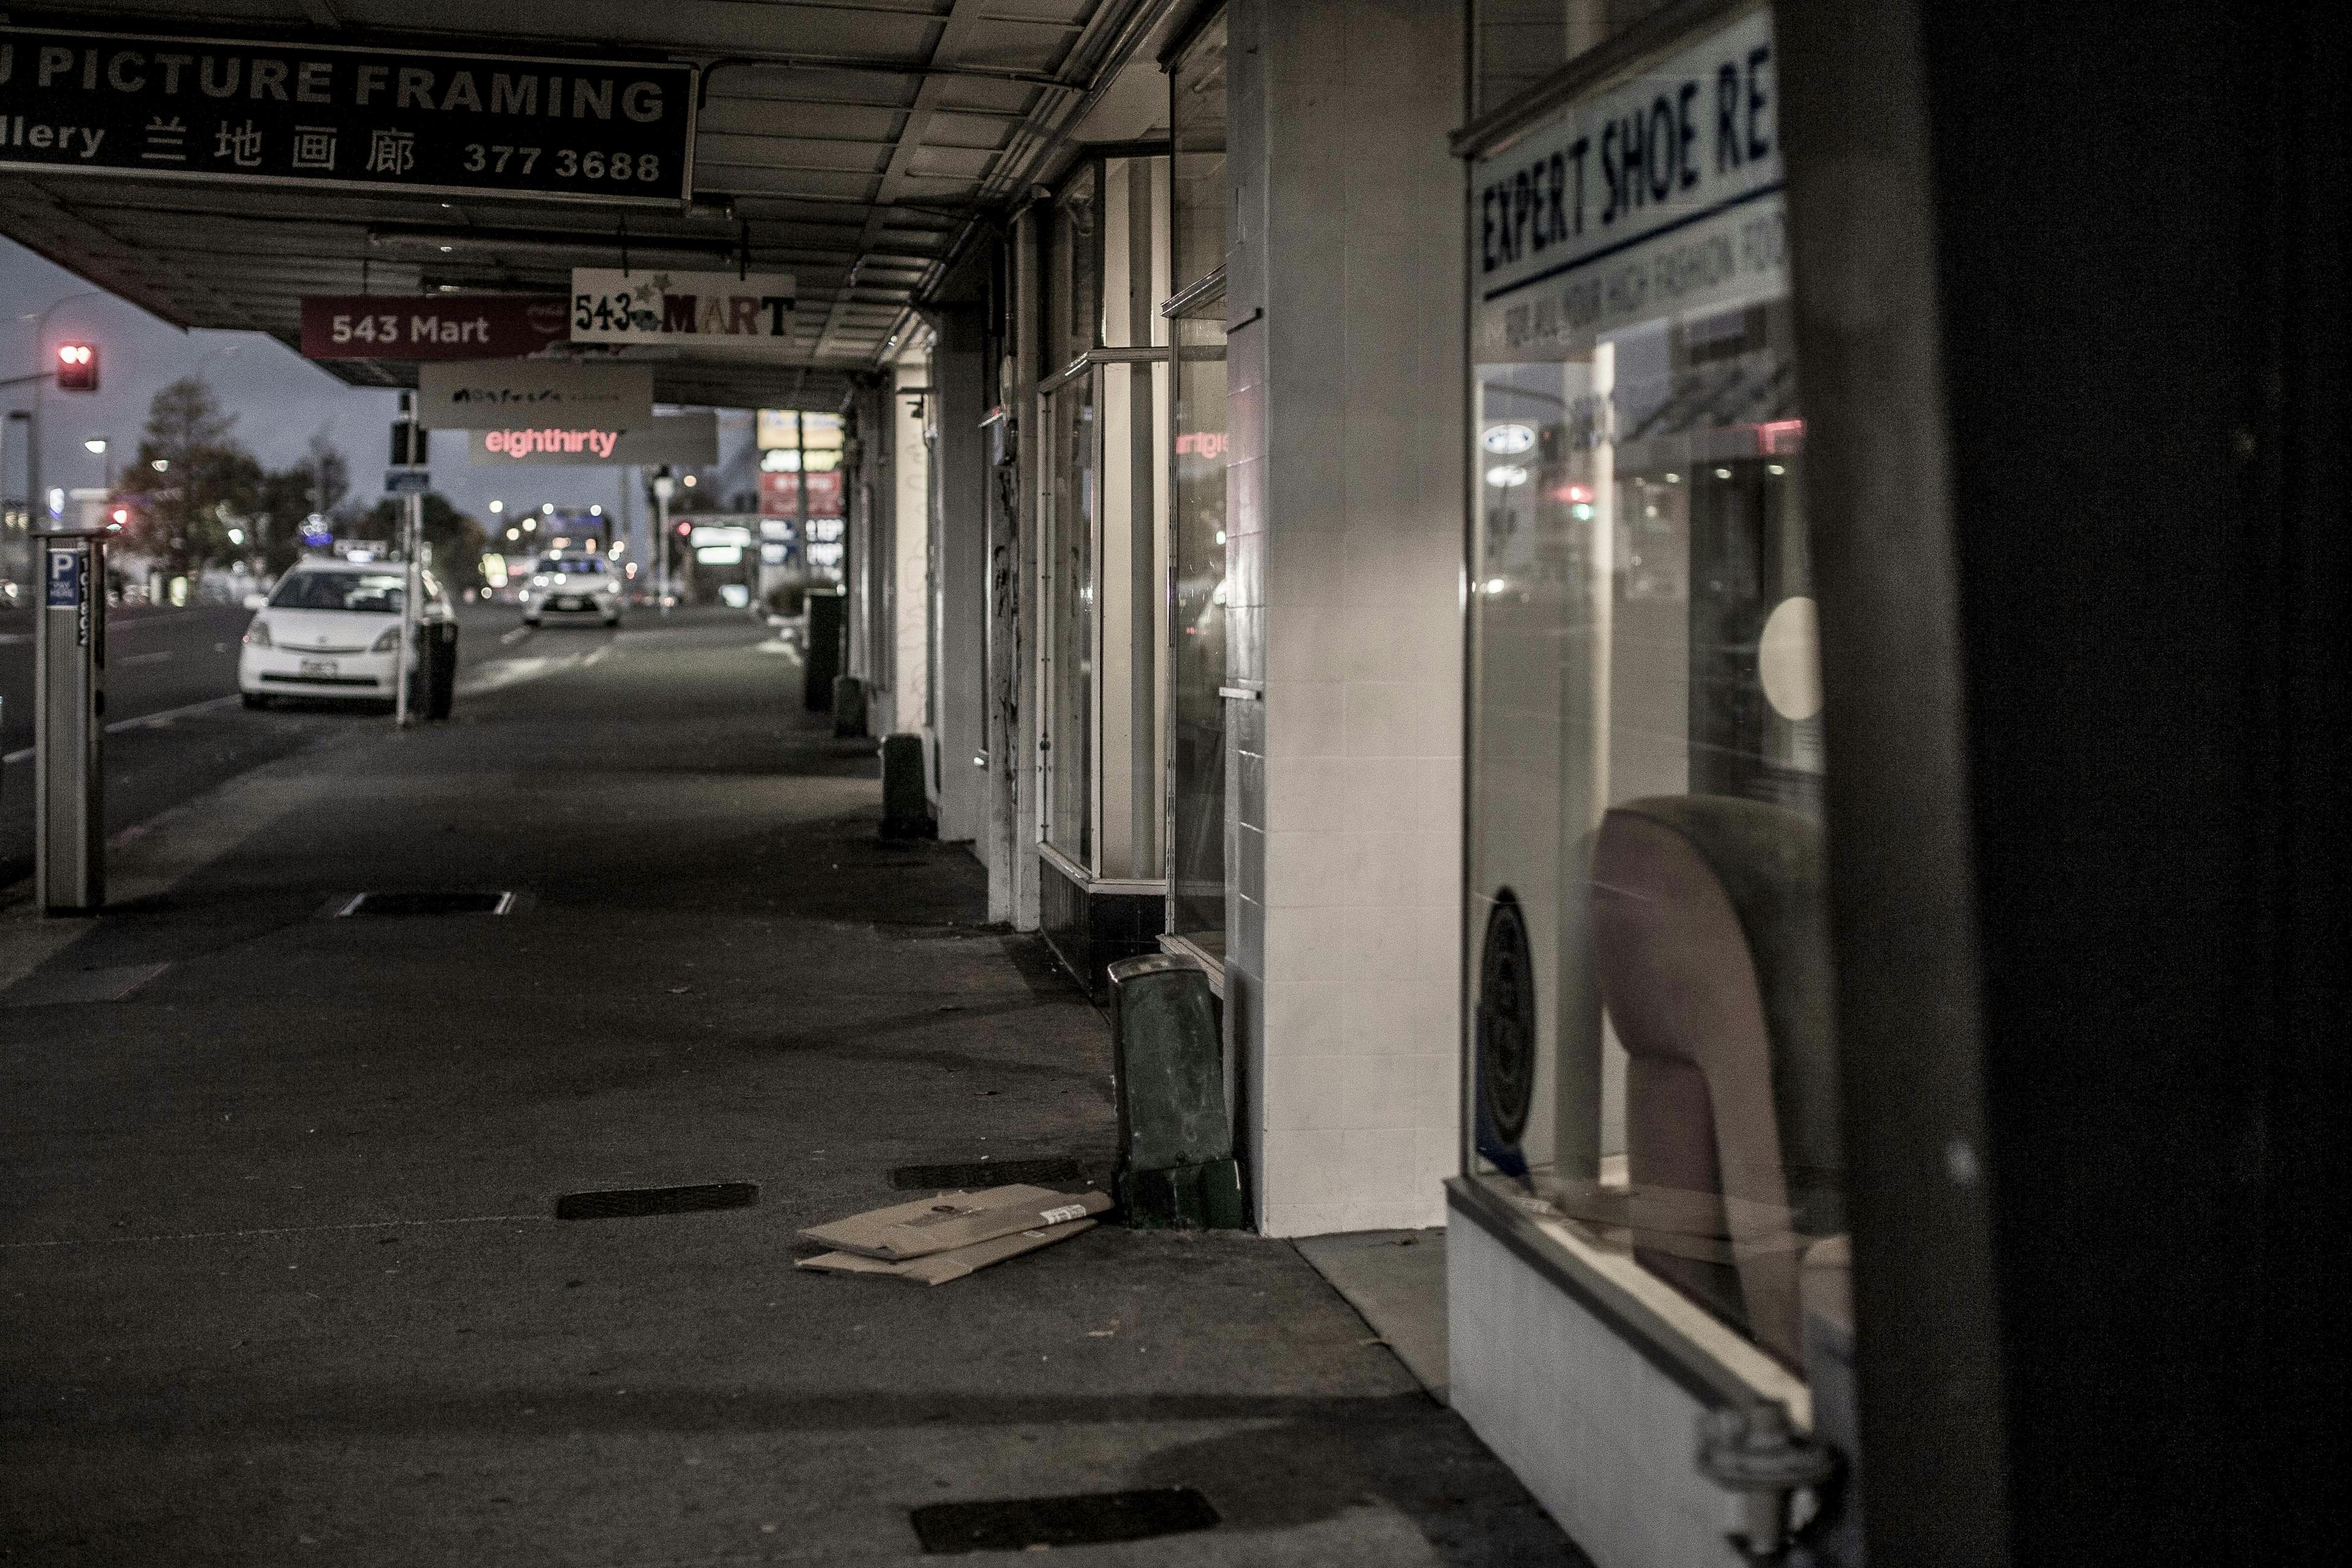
702 310
406 482
492 394
432 327
613 132
690 439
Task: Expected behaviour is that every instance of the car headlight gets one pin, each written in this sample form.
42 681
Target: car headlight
257 634
388 642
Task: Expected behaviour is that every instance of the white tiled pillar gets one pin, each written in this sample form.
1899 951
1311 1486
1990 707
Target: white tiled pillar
1344 587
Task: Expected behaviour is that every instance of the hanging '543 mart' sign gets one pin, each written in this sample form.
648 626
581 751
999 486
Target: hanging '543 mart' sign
333 114
708 310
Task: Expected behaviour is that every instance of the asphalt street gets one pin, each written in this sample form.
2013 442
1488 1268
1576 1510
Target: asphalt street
282 1276
175 727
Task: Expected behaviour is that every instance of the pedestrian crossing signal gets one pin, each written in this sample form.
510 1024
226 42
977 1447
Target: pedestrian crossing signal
77 367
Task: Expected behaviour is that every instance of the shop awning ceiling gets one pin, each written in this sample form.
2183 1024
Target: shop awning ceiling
850 142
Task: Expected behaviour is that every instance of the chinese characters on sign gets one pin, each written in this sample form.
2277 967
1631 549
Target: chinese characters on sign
584 130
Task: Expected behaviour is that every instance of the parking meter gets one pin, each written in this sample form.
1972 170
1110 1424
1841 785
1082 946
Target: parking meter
69 721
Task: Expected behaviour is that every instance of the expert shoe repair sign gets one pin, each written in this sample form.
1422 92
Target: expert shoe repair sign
329 114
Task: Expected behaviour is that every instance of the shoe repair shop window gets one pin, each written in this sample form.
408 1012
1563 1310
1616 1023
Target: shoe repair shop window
1196 646
1651 1046
1105 543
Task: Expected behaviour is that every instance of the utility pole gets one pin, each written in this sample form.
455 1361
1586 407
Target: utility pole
412 554
665 486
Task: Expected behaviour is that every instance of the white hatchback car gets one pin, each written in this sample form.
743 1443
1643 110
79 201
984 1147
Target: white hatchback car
580 585
332 630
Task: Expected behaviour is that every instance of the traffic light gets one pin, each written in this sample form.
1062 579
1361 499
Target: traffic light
77 367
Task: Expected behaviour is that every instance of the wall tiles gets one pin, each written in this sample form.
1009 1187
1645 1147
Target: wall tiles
1402 718
1305 868
1304 943
1306 718
1310 793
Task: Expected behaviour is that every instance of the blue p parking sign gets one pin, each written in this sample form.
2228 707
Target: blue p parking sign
65 575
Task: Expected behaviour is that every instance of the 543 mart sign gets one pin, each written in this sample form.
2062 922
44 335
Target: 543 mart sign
705 309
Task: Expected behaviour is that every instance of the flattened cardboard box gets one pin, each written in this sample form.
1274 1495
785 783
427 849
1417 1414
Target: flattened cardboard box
951 1220
939 1268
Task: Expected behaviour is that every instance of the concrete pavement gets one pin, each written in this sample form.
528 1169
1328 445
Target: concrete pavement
279 1281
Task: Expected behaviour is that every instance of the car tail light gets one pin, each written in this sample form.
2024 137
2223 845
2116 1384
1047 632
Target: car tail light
257 634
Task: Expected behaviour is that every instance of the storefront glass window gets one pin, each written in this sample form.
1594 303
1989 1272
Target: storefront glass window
1105 562
1652 1050
1197 753
1197 646
1515 44
1071 505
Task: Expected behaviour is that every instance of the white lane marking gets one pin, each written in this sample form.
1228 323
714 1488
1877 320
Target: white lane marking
158 657
276 1230
144 720
165 717
784 648
502 673
516 636
596 658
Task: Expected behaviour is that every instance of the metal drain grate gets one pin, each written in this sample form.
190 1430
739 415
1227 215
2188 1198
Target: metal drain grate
1021 1524
630 1202
429 904
983 1174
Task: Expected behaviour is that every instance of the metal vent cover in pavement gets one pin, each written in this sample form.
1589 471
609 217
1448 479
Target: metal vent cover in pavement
1026 1524
632 1203
983 1174
429 903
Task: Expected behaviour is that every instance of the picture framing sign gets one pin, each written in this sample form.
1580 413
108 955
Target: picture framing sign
614 133
742 313
491 394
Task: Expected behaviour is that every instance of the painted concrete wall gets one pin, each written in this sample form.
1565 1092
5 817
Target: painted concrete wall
911 482
1602 1437
1344 535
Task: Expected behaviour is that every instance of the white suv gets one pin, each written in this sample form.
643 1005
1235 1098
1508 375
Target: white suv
563 586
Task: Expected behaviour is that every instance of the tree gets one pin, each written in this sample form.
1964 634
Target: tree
193 480
290 497
454 540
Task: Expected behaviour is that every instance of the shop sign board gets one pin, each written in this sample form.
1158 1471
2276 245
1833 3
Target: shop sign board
492 394
685 438
823 493
1659 196
431 326
614 133
744 313
780 494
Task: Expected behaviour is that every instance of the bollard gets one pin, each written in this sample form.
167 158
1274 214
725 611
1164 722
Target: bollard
848 708
906 804
1176 1166
821 665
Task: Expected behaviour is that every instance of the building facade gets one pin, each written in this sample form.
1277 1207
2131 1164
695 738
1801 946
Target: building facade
1479 524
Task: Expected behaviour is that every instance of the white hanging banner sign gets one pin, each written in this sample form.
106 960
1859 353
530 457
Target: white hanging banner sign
488 395
1658 195
699 309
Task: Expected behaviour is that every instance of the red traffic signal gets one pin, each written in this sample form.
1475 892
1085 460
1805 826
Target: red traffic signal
77 367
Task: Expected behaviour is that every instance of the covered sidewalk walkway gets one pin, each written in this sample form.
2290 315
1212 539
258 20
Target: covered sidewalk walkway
279 1269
